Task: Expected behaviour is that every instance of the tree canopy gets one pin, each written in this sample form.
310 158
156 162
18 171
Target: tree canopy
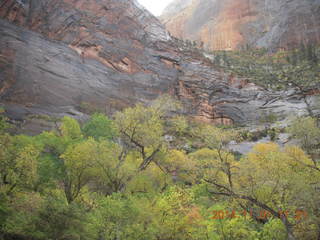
150 173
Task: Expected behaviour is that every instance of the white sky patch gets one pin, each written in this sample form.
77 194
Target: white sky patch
155 6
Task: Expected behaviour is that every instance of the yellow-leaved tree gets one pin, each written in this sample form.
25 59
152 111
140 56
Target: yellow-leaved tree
269 180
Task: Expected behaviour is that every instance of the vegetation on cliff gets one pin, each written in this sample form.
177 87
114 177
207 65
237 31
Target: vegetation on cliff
297 69
149 173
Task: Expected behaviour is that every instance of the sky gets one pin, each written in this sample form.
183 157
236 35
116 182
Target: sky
155 6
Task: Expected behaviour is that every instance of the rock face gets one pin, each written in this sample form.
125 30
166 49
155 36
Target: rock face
57 56
108 54
230 24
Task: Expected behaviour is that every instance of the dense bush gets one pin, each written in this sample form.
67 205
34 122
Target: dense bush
122 179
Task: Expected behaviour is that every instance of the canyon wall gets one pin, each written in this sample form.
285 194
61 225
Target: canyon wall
232 24
57 56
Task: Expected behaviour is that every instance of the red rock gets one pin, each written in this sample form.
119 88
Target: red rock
231 24
57 56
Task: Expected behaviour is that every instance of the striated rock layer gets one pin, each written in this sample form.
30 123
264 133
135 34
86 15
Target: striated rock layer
230 24
57 56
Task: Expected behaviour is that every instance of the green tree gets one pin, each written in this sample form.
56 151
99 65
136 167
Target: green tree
268 179
142 128
70 129
79 167
273 229
59 220
99 126
209 136
59 145
120 217
18 162
178 218
113 167
307 132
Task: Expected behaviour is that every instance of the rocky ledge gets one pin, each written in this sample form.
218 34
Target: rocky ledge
60 57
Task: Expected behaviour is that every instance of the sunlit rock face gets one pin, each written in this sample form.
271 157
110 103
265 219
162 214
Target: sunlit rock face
231 24
57 56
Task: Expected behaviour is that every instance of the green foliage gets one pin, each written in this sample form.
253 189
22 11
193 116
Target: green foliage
89 108
70 128
23 215
206 135
140 125
122 218
125 179
4 210
99 126
307 132
79 167
236 229
18 162
59 220
44 117
177 211
3 121
273 229
178 126
284 69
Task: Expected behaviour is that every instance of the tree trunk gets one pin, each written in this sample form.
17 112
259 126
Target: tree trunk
68 192
290 235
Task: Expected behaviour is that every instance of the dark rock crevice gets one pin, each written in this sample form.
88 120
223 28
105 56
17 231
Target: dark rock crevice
60 55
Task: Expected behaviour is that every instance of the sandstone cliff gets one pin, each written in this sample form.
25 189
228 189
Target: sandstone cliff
58 55
230 24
